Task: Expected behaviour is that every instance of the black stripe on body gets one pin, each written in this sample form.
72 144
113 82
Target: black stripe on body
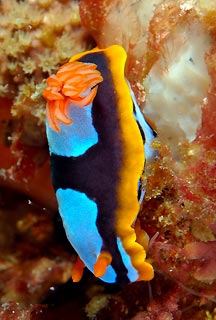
96 172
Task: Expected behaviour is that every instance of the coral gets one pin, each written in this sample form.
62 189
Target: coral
25 164
15 311
180 205
33 260
105 20
33 43
205 252
165 308
178 82
97 303
176 87
178 211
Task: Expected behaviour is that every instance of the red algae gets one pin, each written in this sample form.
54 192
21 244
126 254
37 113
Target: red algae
25 164
33 259
29 282
205 252
180 205
15 311
164 309
206 134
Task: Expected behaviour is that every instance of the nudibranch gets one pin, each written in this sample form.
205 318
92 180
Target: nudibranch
99 141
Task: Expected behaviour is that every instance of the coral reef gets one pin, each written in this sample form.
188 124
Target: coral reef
15 311
178 211
33 259
36 37
176 89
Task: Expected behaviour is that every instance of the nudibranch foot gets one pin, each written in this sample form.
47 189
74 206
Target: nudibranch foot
75 83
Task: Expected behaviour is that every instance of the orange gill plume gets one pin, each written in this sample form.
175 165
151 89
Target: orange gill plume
75 82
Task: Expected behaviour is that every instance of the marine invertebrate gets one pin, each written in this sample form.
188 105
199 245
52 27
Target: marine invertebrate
97 162
180 191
